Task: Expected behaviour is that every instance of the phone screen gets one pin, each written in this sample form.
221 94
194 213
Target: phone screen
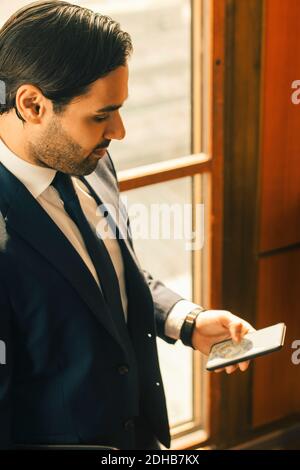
254 344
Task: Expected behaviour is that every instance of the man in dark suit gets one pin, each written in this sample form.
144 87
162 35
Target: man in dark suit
78 314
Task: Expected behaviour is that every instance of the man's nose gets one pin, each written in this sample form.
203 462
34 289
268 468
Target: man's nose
115 129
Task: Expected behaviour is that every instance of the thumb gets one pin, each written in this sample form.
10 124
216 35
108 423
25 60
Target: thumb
237 327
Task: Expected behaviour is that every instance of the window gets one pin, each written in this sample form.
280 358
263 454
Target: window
164 160
158 113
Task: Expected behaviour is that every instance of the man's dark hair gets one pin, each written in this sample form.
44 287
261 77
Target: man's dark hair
61 49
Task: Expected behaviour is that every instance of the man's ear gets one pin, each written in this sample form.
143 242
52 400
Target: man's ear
30 103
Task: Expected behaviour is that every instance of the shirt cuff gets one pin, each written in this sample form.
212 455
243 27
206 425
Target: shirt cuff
177 316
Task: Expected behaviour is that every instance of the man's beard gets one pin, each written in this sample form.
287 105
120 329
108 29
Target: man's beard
56 149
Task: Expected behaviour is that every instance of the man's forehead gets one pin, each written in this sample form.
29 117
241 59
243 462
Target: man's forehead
111 89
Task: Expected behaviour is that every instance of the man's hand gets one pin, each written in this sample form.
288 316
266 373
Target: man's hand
213 326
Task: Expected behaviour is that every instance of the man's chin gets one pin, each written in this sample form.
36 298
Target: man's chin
87 170
88 165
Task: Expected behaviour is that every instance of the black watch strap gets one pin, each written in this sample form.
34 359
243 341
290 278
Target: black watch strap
189 325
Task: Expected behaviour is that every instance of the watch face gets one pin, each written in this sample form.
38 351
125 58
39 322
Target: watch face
229 349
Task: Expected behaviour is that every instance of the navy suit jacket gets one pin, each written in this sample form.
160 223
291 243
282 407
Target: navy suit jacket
71 376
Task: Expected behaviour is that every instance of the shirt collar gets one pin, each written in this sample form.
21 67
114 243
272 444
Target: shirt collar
35 178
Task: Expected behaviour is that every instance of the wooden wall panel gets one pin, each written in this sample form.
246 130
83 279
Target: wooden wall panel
280 142
276 381
261 243
241 149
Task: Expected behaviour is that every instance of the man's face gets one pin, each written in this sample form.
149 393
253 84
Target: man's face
66 141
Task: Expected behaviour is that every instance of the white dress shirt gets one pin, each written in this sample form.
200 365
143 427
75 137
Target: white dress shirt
38 181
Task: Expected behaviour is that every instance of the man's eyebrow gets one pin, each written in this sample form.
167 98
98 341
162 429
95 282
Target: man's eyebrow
111 107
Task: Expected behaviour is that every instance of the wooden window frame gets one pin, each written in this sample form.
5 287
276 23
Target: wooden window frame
210 163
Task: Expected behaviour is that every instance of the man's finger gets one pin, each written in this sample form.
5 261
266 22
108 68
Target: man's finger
219 370
237 330
230 369
244 365
236 325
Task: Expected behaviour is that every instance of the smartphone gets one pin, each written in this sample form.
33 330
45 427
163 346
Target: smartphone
254 344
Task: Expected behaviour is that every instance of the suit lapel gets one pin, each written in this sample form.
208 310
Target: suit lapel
138 293
24 215
101 190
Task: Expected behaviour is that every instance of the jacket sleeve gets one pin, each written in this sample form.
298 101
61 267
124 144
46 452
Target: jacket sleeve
6 368
164 298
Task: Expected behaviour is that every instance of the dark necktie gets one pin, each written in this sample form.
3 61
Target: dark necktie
94 245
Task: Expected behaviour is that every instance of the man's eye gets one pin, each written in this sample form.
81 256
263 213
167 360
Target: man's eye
100 119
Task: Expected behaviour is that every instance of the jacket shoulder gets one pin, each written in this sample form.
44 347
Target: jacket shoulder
106 171
111 165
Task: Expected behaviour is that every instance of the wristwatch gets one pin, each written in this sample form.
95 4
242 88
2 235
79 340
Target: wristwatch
189 325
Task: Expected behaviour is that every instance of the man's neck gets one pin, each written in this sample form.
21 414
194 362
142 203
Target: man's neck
11 136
